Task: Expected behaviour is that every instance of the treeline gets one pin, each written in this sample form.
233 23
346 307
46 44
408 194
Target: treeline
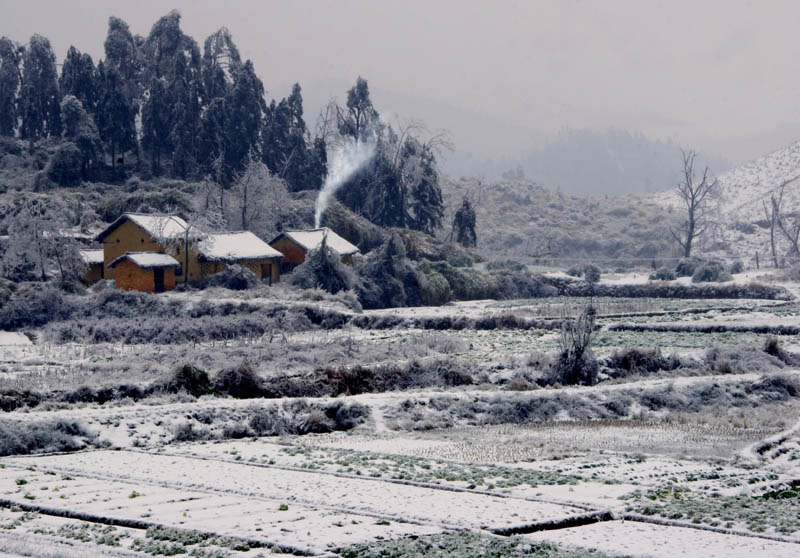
197 114
161 106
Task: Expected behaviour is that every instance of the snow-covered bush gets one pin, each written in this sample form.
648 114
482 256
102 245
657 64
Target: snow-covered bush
575 363
711 272
662 274
34 305
233 277
240 382
323 268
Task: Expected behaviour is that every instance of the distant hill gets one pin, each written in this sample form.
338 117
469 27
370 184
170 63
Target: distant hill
739 223
517 218
612 162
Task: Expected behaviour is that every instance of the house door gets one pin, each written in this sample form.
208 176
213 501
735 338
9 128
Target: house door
266 272
158 280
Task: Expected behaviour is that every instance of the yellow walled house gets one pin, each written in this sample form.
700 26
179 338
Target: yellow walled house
207 253
295 246
145 271
216 250
136 232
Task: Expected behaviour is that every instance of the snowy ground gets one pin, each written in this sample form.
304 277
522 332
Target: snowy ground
575 482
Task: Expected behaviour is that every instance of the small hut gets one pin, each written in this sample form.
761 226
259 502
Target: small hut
295 245
244 248
95 269
145 271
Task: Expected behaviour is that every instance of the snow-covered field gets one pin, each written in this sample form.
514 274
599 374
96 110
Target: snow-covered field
659 480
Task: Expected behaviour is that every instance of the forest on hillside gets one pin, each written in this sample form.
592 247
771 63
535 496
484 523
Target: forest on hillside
161 107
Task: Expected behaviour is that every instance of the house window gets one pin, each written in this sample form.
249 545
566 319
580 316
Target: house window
178 250
142 240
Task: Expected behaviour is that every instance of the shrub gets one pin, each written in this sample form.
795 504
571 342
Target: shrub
323 268
190 379
591 273
510 265
662 274
575 363
575 271
687 266
234 277
637 360
22 438
240 382
711 272
268 422
34 306
773 347
737 266
65 167
186 432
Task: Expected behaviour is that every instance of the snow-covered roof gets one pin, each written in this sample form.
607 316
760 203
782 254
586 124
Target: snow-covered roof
311 239
235 246
92 256
160 227
147 260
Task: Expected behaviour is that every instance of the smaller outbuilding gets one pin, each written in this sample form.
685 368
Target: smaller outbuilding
244 248
295 245
95 268
145 271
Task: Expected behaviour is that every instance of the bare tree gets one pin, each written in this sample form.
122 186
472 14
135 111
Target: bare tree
257 199
694 195
787 223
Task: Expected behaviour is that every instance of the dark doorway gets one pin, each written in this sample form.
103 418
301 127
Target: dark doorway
266 272
158 280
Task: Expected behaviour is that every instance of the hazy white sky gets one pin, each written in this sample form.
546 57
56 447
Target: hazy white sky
719 75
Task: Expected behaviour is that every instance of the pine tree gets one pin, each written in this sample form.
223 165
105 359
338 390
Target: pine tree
39 99
10 57
156 124
246 108
78 76
464 225
80 128
426 206
357 122
115 116
221 61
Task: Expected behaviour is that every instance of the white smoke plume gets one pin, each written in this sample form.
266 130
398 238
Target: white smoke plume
343 162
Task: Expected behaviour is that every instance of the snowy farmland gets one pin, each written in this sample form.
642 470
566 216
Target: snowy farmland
449 437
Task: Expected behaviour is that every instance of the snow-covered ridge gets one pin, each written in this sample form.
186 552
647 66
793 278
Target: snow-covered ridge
741 190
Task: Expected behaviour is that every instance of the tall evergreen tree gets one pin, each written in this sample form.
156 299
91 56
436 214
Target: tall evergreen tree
360 117
39 99
78 76
221 61
80 128
115 115
246 107
184 119
163 45
426 204
464 225
156 124
10 78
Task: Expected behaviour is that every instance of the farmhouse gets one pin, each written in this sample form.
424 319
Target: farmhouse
295 245
195 255
136 232
95 268
244 248
145 271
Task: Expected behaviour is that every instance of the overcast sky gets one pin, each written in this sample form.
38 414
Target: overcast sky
719 75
